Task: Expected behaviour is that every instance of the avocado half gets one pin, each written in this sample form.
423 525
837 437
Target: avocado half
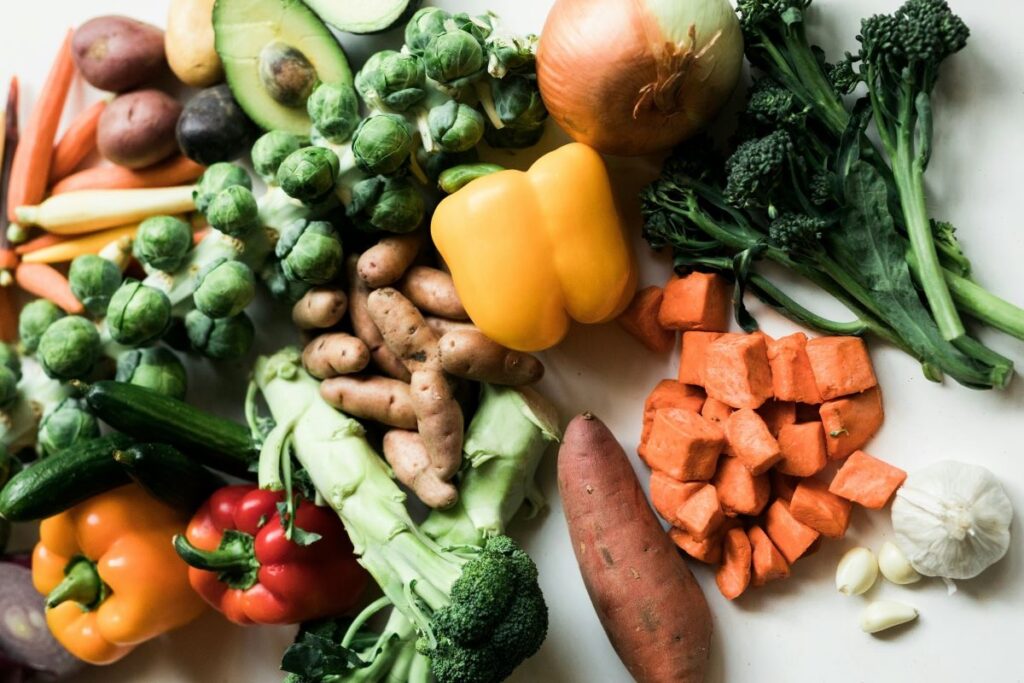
257 38
364 16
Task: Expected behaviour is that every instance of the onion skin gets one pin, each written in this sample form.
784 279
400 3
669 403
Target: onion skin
597 58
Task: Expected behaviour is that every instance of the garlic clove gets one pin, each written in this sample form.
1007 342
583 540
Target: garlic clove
856 572
895 566
883 614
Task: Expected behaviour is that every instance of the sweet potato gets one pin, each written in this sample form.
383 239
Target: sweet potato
792 376
386 262
366 329
404 330
668 495
320 308
649 603
701 515
733 576
736 370
439 421
825 512
841 366
768 562
803 449
381 399
667 394
472 355
777 414
691 357
739 491
790 536
867 480
640 320
708 551
850 422
684 445
716 411
782 485
432 291
408 457
751 442
698 301
335 353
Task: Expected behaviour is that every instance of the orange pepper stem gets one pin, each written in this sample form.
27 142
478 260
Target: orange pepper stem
81 584
234 560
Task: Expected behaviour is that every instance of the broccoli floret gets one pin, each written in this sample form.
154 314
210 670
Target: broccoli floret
769 104
795 233
918 36
843 77
756 15
755 168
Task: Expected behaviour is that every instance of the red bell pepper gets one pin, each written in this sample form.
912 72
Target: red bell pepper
243 564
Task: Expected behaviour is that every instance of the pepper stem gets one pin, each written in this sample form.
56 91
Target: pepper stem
81 584
234 560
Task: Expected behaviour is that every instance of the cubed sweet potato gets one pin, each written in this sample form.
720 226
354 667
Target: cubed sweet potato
733 576
825 512
768 563
867 480
782 485
684 445
841 366
701 515
751 442
708 551
803 449
640 319
668 495
850 422
790 536
691 358
716 411
698 301
739 491
736 370
668 394
777 414
792 377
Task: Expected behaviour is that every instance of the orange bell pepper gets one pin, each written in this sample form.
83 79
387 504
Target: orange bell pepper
111 574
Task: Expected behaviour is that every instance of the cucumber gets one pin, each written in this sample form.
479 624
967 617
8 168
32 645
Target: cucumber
168 475
56 483
212 441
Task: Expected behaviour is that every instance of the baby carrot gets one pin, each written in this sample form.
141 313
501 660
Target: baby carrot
77 143
47 282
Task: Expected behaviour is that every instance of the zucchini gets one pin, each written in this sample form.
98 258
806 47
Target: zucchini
56 483
147 415
168 475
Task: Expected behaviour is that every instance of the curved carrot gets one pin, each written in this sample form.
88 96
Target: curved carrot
78 142
31 169
47 282
177 171
45 240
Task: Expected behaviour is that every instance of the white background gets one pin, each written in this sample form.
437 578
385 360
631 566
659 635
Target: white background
798 630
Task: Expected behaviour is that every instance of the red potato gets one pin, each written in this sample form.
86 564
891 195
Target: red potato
136 130
650 605
118 53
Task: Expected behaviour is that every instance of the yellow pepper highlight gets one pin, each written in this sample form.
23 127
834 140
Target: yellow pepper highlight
111 561
530 252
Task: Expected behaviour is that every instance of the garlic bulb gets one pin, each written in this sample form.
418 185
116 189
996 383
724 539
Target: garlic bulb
952 520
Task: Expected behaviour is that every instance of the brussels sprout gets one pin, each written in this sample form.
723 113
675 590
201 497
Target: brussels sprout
425 25
216 178
224 339
382 144
518 102
93 281
392 204
64 426
310 252
163 242
8 387
393 80
334 110
225 289
33 321
234 211
10 359
512 138
509 54
309 173
69 348
281 287
137 314
157 368
271 149
433 164
454 58
480 27
455 127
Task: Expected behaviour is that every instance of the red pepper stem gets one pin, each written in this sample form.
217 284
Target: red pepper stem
81 584
234 560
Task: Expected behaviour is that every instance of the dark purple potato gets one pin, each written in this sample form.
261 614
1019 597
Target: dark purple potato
118 53
137 129
214 128
24 636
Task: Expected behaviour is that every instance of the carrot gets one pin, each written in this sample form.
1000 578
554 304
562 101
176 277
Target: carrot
691 358
668 495
640 319
31 169
736 370
176 171
841 366
684 445
649 603
825 512
739 491
45 240
733 576
68 249
792 377
77 143
47 282
8 259
791 537
751 442
701 516
768 562
803 449
698 301
851 422
867 480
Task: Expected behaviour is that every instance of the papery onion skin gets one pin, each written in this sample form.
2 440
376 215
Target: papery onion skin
597 58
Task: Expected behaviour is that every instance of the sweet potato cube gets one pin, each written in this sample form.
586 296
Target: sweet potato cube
708 551
803 449
667 394
790 536
850 422
640 319
768 562
739 491
698 301
867 480
792 377
702 514
776 414
716 411
783 485
684 445
841 366
825 512
733 576
668 495
691 358
751 442
736 370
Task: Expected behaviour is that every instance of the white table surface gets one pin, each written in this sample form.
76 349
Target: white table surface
800 630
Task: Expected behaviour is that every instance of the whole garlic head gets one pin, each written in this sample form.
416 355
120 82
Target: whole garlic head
952 520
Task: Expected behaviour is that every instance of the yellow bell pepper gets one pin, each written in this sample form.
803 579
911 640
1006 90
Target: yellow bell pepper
530 252
111 574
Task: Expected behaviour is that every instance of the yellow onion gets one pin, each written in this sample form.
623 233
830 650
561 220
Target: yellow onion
631 77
